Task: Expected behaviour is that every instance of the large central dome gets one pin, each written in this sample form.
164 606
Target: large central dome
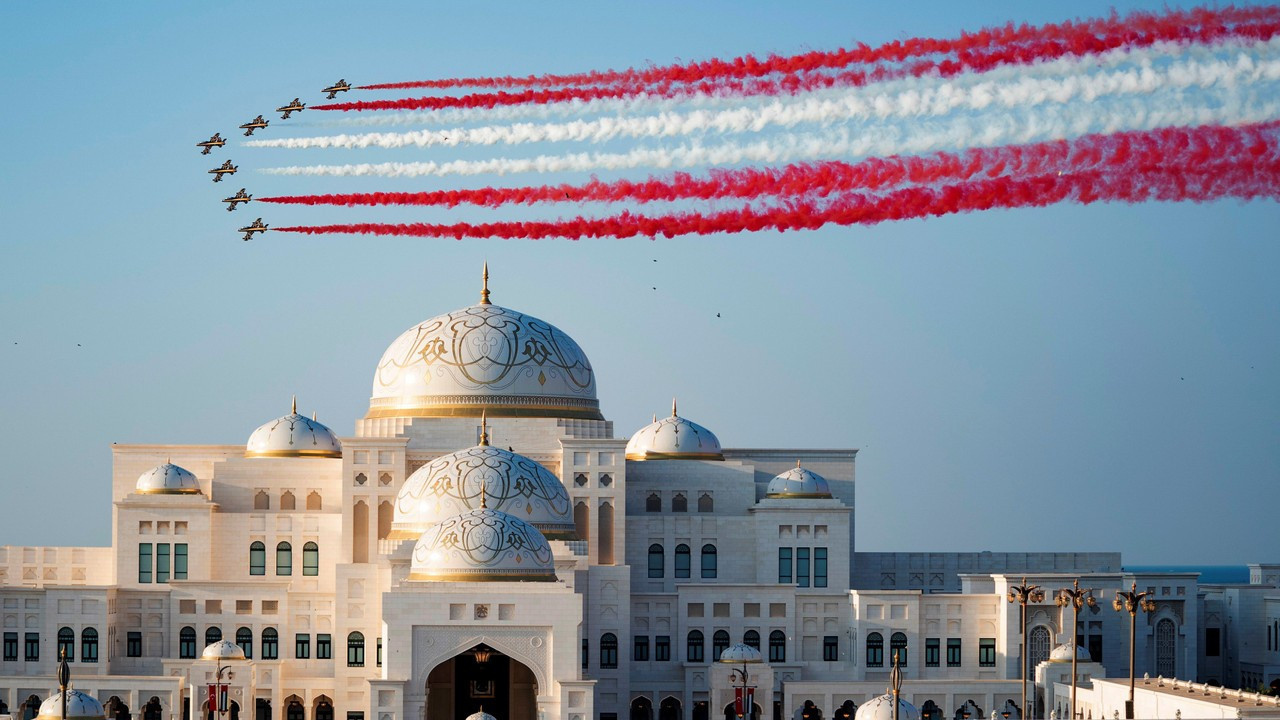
484 358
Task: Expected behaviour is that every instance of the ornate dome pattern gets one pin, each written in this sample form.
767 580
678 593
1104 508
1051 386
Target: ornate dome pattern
293 436
674 438
167 479
741 653
798 483
482 715
453 484
881 708
1063 652
79 707
483 545
222 650
484 357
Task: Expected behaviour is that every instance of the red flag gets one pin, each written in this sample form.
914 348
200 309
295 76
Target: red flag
737 701
213 697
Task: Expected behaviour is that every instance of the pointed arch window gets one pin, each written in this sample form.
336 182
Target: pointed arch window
257 559
284 559
683 561
708 561
656 561
679 503
314 502
311 559
705 503
187 643
67 643
262 501
288 501
653 503
88 645
244 638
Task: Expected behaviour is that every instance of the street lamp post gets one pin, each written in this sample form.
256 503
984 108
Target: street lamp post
1076 598
1023 594
1132 601
740 675
64 679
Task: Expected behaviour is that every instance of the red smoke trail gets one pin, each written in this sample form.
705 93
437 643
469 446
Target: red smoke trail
1199 184
1082 37
1166 147
805 80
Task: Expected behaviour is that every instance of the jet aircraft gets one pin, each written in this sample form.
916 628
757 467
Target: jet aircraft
226 169
334 89
211 143
254 227
240 197
292 107
253 124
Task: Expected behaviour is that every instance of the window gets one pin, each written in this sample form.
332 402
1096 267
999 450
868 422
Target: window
683 561
802 567
67 643
162 562
284 559
1166 641
324 646
1039 645
608 651
288 501
679 503
1095 648
262 501
133 645
257 559
653 503
89 645
355 650
244 638
270 644
1212 642
784 566
898 646
10 647
719 643
379 652
640 648
819 567
144 562
314 502
953 652
705 503
656 561
708 561
32 647
777 646
311 559
694 647
180 561
986 652
302 646
187 643
586 653
212 635
751 639
662 648
932 652
875 650
831 648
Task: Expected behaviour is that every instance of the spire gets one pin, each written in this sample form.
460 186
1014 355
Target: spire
673 407
484 427
895 684
655 417
484 494
313 416
484 290
294 409
797 462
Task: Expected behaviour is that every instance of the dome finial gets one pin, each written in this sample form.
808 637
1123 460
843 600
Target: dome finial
484 494
895 684
484 290
655 417
313 416
673 407
294 408
797 462
484 427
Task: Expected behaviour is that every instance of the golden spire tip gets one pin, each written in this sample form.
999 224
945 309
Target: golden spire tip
797 462
313 416
484 290
673 407
484 427
294 409
484 494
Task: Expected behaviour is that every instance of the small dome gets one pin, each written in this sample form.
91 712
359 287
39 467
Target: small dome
168 479
79 707
484 358
452 484
483 546
741 653
482 715
222 650
881 708
674 438
293 436
1062 653
798 483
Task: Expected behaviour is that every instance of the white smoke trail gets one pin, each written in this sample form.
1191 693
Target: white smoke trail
1226 104
1043 84
630 106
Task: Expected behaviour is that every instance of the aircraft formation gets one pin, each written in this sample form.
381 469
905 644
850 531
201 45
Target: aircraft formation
258 123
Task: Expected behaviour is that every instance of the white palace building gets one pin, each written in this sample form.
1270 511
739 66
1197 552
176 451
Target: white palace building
485 540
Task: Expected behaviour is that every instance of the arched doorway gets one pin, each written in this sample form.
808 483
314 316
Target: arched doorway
930 711
701 710
232 714
1038 642
31 708
669 709
116 709
809 711
846 711
731 714
323 708
152 710
481 677
1166 648
262 709
293 708
641 709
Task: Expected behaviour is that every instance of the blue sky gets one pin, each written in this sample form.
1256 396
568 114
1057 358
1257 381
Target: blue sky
1068 378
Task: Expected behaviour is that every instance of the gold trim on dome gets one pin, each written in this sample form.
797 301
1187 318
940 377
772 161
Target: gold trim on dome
650 455
293 453
403 534
811 496
169 491
477 576
477 405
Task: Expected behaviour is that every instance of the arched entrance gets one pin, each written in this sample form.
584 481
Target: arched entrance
31 708
481 677
669 709
323 708
846 711
261 709
116 709
152 710
731 714
641 709
233 713
293 708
